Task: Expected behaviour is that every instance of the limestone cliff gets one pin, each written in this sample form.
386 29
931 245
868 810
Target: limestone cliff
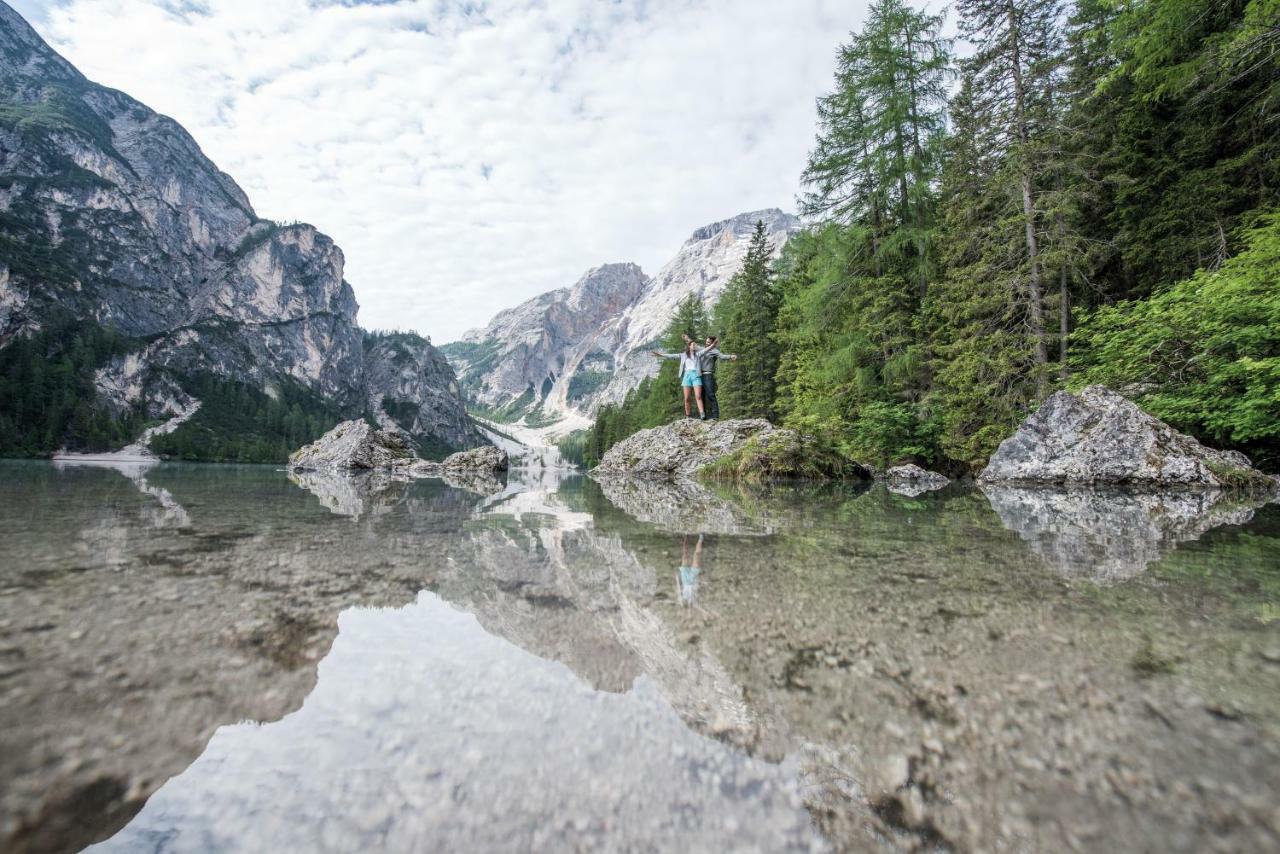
110 215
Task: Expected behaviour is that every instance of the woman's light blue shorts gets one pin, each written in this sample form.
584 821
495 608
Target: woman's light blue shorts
691 378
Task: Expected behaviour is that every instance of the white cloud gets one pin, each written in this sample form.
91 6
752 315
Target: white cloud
468 155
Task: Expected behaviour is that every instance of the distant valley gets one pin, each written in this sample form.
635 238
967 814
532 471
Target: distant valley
573 349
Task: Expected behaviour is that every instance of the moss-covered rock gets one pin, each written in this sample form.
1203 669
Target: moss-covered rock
782 454
739 449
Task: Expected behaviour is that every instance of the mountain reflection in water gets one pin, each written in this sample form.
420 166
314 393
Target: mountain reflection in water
219 658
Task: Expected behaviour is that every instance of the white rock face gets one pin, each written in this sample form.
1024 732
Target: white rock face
1101 438
573 349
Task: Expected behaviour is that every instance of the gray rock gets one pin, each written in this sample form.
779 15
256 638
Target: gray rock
682 449
145 234
483 462
678 450
1100 438
353 445
912 480
412 389
484 459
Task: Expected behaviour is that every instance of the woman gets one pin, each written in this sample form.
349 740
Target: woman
690 376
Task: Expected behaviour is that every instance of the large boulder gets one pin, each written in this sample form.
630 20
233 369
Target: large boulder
911 480
353 445
486 458
1099 437
749 448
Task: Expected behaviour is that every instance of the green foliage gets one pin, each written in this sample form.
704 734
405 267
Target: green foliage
47 396
878 154
239 423
573 447
1204 353
60 110
472 360
585 383
1094 156
852 366
510 412
781 455
1183 130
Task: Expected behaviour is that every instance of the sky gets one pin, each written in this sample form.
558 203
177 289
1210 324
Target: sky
467 155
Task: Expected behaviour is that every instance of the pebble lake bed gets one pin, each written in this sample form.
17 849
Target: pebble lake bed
227 658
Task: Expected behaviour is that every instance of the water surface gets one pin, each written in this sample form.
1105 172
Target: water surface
218 658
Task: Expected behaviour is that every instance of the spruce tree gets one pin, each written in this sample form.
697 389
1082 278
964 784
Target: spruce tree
745 317
878 153
1013 74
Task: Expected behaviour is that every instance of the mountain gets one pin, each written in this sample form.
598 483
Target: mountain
130 259
575 348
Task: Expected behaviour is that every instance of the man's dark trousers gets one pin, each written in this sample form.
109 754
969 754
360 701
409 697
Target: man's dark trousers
709 403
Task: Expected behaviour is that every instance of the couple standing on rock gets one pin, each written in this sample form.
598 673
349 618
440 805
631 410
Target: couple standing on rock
698 374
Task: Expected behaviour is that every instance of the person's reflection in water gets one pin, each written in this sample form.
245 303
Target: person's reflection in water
689 571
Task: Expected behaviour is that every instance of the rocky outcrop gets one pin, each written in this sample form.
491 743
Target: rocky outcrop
353 446
110 214
678 450
486 459
911 480
747 449
1099 437
578 347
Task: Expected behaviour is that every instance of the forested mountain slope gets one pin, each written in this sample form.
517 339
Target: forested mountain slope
1092 194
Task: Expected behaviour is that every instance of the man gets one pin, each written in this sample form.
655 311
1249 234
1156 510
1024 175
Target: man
707 358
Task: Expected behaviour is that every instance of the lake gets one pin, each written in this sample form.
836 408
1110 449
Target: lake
223 658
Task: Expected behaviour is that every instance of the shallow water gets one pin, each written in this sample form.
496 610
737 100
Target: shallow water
219 658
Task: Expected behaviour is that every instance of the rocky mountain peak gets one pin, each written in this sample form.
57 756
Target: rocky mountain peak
608 283
112 217
744 224
21 48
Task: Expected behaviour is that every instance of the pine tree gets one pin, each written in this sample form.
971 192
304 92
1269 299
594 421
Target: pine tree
745 316
877 158
1013 75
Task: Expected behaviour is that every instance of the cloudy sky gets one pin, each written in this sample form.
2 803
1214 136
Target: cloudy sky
469 155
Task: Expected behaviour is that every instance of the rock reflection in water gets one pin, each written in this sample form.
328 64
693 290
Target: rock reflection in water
1110 536
356 493
169 513
681 507
352 495
427 733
